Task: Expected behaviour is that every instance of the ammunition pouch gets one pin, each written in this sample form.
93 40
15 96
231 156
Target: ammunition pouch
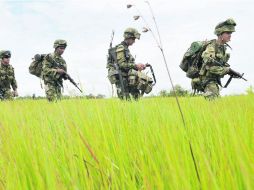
197 85
133 78
113 76
192 72
140 81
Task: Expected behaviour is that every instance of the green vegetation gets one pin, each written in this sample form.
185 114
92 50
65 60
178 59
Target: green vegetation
109 144
180 91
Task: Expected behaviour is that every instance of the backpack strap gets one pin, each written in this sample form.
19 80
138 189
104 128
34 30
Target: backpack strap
198 57
49 57
228 46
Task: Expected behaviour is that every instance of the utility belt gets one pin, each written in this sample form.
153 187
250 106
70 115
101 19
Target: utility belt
58 83
113 75
136 79
140 80
199 83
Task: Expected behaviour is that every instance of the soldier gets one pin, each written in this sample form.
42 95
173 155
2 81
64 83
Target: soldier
54 66
215 60
127 67
7 76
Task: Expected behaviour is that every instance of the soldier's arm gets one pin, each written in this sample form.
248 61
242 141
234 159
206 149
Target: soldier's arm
13 81
121 59
208 57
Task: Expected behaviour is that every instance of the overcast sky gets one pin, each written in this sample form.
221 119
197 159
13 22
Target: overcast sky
29 27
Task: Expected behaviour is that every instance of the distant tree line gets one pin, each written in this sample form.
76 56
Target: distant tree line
180 91
89 96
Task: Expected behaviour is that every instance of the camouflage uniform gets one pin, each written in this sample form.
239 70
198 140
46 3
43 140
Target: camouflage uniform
126 64
53 81
7 78
211 72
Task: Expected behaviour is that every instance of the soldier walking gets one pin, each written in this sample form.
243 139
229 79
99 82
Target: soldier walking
54 68
215 59
128 70
7 77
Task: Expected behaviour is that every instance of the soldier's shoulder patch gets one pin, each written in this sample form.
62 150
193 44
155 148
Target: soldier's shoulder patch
119 48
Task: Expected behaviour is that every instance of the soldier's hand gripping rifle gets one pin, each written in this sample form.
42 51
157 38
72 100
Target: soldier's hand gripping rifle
66 76
232 73
112 55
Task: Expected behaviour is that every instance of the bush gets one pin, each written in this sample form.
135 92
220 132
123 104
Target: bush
180 91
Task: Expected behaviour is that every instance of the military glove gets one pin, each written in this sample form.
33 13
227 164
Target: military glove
140 66
227 70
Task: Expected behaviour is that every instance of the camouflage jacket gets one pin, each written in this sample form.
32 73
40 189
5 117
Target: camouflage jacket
51 63
212 54
7 77
124 58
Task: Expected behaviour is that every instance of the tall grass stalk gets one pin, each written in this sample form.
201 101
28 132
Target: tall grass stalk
109 144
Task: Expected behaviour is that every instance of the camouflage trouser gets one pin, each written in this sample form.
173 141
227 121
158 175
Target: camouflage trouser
211 90
53 91
6 94
128 90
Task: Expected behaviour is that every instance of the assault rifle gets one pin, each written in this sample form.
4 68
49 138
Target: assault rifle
66 76
112 54
232 73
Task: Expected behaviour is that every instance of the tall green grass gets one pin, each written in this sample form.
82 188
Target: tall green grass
109 144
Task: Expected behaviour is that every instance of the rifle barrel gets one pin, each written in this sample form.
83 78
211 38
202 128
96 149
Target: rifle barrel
73 82
244 79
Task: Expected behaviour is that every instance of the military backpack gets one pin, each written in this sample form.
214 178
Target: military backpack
113 70
35 67
192 60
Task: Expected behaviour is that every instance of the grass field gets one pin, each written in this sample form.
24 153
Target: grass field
109 144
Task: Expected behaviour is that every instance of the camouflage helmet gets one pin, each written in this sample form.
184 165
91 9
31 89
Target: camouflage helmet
226 26
5 54
60 43
131 33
